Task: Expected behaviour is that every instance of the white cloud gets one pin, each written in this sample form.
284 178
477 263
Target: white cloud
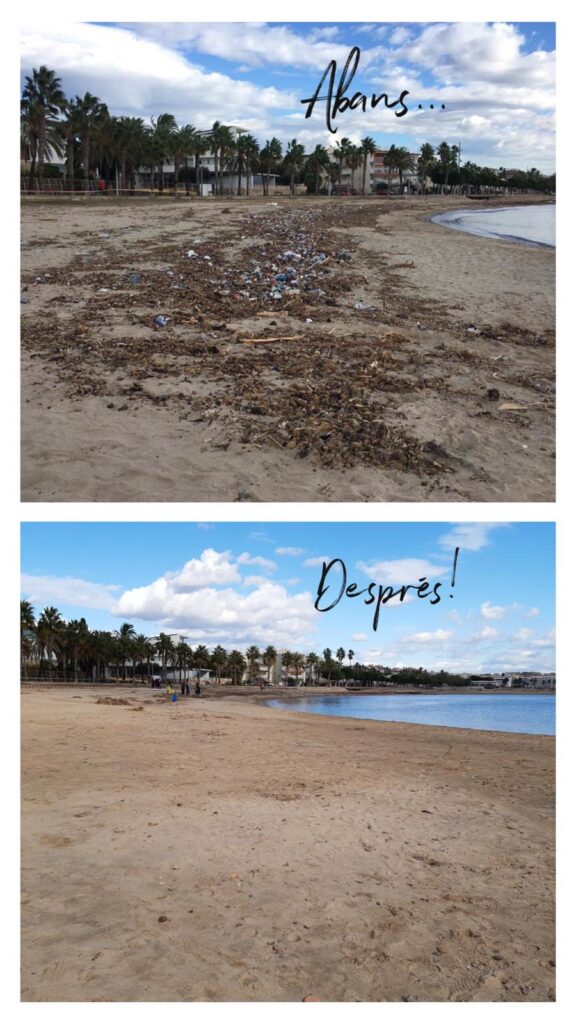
437 636
469 536
290 551
488 633
212 567
523 634
265 563
317 560
268 614
54 590
492 611
359 636
401 570
532 613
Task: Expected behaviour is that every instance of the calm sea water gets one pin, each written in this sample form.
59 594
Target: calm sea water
532 224
514 712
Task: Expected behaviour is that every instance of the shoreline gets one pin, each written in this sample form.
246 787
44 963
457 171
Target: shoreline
451 220
206 827
419 330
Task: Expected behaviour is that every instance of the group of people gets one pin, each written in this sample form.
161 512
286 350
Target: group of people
184 690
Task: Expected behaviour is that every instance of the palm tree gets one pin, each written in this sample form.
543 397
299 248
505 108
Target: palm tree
398 158
425 163
42 102
350 655
49 631
355 160
142 651
312 663
327 655
298 662
447 156
200 659
164 129
77 640
342 151
318 162
125 637
252 657
89 111
218 661
182 148
165 648
341 654
286 660
198 146
270 157
27 633
269 659
236 665
293 161
182 658
368 146
222 146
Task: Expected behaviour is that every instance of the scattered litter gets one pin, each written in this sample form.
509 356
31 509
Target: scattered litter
472 329
512 407
493 394
134 279
24 299
191 254
103 234
161 321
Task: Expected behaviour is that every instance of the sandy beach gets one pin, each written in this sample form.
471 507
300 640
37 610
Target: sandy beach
376 389
224 851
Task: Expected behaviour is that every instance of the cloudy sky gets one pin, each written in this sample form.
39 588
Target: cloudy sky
243 583
496 80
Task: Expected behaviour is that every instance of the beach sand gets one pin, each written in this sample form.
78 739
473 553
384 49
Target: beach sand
394 401
224 851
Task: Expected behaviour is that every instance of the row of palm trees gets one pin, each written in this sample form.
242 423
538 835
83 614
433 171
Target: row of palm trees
52 647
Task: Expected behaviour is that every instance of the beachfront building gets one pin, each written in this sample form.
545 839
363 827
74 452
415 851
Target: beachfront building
386 179
534 680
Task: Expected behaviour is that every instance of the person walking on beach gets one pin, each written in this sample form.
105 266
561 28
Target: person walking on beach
169 691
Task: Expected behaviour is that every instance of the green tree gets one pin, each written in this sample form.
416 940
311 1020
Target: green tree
42 103
236 665
218 661
293 162
89 112
164 129
368 147
318 163
425 164
270 157
253 659
183 140
269 659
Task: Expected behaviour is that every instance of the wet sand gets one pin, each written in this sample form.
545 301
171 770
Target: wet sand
394 401
223 851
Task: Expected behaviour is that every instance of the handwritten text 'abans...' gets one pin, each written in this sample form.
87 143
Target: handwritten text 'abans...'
338 103
333 586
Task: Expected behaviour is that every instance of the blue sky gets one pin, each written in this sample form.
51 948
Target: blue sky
495 79
243 583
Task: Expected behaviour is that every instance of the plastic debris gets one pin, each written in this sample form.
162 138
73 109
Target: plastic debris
24 299
161 321
134 279
472 329
191 254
